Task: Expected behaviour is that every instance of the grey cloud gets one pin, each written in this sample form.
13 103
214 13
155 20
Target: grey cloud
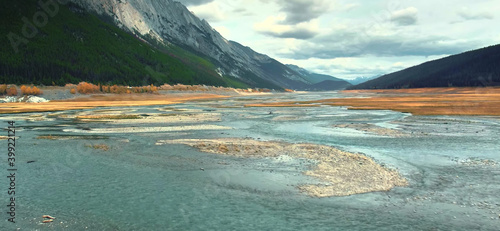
303 10
352 72
405 17
405 20
194 2
294 33
354 44
355 71
475 16
239 10
243 12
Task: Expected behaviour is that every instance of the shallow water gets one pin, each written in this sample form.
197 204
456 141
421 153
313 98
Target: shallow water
137 185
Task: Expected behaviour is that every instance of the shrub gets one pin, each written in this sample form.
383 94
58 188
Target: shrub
36 91
72 91
114 89
12 91
3 89
30 90
153 89
23 90
87 88
166 87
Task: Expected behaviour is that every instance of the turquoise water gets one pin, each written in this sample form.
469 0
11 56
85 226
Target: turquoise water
137 185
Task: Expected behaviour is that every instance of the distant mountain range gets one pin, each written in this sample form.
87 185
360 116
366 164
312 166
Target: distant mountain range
132 43
360 80
475 68
320 82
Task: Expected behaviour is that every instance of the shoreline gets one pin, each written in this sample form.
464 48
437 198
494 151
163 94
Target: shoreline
112 100
56 98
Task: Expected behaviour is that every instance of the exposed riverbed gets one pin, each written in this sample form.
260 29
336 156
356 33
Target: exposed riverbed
102 169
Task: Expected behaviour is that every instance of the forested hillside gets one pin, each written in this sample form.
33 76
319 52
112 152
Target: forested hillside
470 69
74 46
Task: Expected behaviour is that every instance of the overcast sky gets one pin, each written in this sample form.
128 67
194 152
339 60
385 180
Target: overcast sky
354 38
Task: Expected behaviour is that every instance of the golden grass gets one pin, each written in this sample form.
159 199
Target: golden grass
104 101
424 101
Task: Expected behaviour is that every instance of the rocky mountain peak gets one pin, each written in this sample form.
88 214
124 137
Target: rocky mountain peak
171 22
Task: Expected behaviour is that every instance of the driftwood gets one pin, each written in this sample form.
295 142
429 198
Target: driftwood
48 218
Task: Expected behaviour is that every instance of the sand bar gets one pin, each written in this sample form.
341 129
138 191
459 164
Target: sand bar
374 129
148 129
344 173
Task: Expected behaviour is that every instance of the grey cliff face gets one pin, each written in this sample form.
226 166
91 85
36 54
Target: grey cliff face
171 22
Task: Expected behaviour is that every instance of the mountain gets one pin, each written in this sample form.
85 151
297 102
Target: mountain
319 81
128 42
360 80
73 45
469 69
328 85
169 22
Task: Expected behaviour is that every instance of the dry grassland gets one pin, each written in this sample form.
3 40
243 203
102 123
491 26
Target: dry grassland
424 101
94 101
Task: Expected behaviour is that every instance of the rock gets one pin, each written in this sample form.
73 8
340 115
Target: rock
36 99
9 99
171 22
27 99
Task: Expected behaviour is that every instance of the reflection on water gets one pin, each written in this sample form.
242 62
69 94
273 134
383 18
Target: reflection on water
137 185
